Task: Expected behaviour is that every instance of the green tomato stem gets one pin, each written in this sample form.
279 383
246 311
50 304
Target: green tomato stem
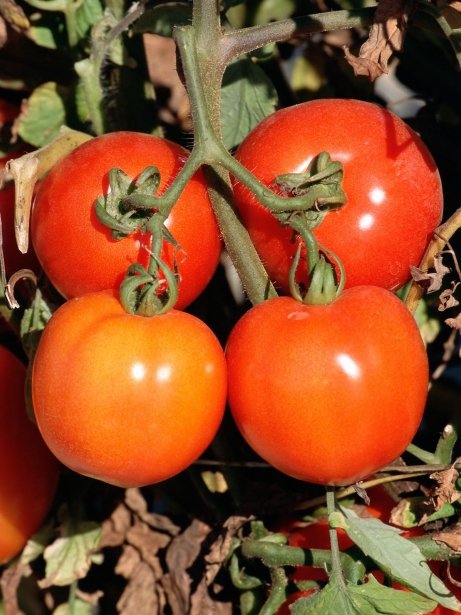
336 568
238 42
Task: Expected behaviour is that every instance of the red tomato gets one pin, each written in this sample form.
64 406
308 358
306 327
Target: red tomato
8 111
328 393
78 253
393 189
28 471
126 399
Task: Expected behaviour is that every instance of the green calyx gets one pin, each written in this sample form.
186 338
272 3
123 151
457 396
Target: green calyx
130 206
321 184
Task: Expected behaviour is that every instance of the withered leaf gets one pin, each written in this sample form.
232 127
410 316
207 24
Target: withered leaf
445 491
203 604
431 281
181 554
450 536
140 595
9 583
148 542
127 562
454 323
385 38
115 528
136 503
447 299
220 547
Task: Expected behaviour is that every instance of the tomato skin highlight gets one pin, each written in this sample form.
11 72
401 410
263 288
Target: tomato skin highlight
79 254
28 471
328 394
392 185
126 399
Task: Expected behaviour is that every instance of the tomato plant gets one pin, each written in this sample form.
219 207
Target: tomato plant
317 390
28 471
77 251
142 397
392 186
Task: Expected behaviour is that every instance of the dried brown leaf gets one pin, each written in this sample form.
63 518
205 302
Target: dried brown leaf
454 323
385 38
181 554
447 299
161 62
203 604
9 583
128 561
14 15
445 491
450 536
140 596
137 504
148 542
220 547
431 281
115 528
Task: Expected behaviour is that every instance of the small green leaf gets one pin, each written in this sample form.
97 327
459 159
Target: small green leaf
390 601
44 115
247 97
48 30
397 557
333 599
163 18
370 598
86 15
70 556
36 544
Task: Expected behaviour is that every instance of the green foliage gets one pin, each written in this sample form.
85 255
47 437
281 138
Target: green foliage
398 558
71 555
371 598
247 97
45 114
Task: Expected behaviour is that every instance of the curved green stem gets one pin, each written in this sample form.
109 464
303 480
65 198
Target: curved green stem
238 42
336 569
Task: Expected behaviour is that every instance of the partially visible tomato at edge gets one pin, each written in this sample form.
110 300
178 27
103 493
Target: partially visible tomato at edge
331 393
78 253
28 471
392 186
127 399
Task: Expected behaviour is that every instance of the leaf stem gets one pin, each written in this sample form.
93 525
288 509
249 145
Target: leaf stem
336 569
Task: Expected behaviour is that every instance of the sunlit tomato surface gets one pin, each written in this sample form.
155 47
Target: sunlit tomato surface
328 394
393 189
79 254
127 399
28 471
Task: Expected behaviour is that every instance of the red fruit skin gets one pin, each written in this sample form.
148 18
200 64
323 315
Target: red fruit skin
393 189
28 471
317 391
79 254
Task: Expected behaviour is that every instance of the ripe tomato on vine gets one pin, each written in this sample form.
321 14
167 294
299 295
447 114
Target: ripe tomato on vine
328 393
392 186
28 471
79 254
127 399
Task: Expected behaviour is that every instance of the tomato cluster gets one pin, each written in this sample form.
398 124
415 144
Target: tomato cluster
316 390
